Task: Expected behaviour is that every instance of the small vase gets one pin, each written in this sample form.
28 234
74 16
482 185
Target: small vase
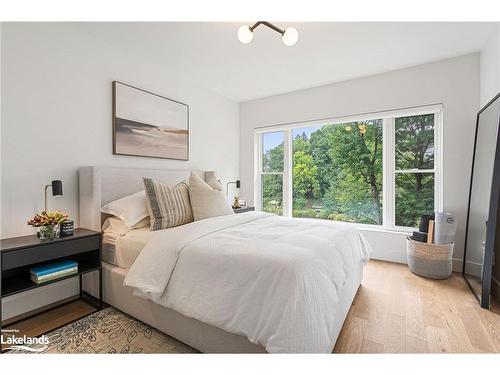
48 232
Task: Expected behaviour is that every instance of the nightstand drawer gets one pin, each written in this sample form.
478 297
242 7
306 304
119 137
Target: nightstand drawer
48 251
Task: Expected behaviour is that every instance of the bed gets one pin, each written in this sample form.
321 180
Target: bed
182 281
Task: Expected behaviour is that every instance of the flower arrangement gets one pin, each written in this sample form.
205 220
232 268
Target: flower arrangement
48 223
48 218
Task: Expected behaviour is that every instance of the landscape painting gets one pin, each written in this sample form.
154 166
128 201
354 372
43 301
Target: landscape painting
146 124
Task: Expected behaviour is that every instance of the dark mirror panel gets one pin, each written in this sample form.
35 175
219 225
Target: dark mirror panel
483 203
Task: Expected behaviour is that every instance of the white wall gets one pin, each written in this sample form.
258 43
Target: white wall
490 68
56 117
1 27
454 83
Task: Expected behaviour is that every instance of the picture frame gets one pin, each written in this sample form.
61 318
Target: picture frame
149 125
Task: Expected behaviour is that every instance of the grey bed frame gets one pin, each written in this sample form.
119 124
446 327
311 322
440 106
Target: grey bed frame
101 185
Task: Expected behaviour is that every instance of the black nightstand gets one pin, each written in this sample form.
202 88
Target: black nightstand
243 209
19 254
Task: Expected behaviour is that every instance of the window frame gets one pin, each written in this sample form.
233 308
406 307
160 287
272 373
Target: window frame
389 171
286 178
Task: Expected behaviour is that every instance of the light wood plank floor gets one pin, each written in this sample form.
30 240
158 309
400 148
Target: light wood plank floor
396 311
51 319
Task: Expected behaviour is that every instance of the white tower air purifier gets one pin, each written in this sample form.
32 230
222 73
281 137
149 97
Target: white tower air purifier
445 228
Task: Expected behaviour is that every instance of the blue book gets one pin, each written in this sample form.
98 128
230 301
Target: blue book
53 267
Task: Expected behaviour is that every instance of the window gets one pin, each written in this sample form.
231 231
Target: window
414 156
272 172
380 169
337 172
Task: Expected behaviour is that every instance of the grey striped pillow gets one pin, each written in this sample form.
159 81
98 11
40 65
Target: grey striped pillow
168 206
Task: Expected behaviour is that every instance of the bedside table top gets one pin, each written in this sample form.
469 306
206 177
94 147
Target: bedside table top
243 209
13 243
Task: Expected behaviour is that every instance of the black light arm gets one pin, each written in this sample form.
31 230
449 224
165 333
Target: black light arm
268 24
237 183
56 190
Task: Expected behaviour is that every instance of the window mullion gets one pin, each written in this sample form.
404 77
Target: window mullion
257 187
287 173
388 167
438 162
414 171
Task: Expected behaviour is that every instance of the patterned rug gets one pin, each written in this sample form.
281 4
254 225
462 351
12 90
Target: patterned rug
111 331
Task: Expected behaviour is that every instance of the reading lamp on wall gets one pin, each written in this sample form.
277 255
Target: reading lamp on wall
237 183
56 190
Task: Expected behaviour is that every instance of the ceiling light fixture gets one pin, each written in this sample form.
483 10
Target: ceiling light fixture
290 35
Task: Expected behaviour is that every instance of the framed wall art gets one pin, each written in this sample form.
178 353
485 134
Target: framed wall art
147 124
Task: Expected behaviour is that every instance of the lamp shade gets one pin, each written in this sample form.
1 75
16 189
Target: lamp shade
57 187
290 36
245 34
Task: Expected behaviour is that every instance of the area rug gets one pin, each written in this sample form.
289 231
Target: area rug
111 331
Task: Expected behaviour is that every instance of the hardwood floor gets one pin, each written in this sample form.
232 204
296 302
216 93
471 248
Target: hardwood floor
396 311
51 319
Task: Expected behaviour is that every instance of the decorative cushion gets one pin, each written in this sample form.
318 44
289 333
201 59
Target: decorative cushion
168 206
207 201
130 209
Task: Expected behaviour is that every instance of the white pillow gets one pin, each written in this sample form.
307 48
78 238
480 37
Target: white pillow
116 226
207 201
131 209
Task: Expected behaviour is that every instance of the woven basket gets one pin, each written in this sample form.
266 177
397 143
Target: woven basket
429 260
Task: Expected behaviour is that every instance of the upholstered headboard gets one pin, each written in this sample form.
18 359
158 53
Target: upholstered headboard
101 185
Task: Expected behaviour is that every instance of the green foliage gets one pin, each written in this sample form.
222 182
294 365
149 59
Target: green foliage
272 184
273 159
305 176
348 159
414 197
414 150
337 172
415 142
272 187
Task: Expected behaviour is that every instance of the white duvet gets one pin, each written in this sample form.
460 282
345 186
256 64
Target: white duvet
274 280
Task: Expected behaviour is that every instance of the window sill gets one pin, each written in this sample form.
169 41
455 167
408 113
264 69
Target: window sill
407 231
375 228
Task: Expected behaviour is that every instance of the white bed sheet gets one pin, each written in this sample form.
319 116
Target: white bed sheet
123 250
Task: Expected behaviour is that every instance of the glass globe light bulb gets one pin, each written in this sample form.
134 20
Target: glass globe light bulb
290 36
245 35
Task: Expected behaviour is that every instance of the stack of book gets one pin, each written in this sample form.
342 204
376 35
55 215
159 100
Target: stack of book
53 271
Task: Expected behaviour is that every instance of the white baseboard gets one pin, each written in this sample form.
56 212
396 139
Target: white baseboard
391 246
473 268
388 246
457 265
